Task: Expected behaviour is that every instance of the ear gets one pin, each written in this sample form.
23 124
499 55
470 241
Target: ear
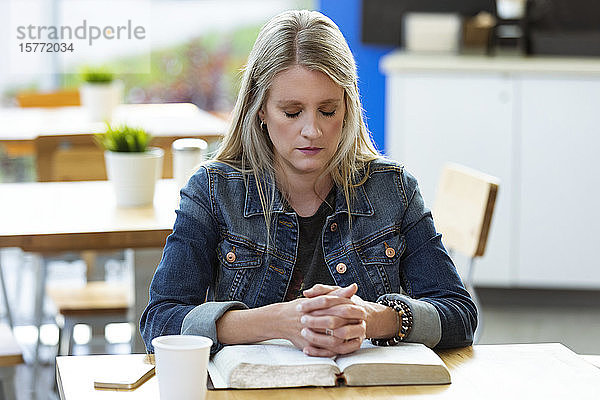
261 114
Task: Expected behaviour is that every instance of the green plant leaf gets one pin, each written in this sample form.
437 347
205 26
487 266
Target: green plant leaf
123 139
97 75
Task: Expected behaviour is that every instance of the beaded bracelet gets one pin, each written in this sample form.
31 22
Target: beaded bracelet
404 314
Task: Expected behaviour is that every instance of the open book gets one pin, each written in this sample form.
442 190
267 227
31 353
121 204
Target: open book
277 363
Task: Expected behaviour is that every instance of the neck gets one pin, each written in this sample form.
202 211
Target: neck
304 192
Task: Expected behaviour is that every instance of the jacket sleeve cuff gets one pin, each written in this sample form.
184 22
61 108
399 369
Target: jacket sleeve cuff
202 320
427 326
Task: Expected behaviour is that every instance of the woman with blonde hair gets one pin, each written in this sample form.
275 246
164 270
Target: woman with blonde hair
298 229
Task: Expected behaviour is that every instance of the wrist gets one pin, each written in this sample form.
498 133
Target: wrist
382 321
250 325
276 313
405 321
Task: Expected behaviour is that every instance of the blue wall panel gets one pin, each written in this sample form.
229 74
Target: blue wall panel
347 15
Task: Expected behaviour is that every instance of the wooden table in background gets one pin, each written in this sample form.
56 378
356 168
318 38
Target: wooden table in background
45 217
68 130
514 371
23 125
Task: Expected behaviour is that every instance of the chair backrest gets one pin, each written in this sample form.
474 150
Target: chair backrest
61 98
66 158
463 208
94 297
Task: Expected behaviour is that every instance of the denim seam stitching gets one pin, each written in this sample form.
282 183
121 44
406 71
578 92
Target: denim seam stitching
384 278
374 236
400 184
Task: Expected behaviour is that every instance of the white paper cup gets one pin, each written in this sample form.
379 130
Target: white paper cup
188 153
181 362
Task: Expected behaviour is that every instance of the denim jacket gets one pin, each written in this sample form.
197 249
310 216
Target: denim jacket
217 257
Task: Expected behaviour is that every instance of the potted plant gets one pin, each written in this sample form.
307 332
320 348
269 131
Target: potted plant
131 165
100 93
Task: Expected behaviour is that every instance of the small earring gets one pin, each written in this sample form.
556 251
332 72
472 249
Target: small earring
262 125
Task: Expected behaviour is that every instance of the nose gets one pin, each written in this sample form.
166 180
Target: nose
310 129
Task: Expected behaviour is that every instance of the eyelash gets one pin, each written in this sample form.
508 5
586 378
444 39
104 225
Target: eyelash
325 114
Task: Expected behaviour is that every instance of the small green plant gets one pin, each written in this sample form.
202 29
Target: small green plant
97 75
124 139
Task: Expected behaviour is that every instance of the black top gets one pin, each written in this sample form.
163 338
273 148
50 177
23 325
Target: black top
310 267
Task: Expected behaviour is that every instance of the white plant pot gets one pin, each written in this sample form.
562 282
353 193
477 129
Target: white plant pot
134 175
100 99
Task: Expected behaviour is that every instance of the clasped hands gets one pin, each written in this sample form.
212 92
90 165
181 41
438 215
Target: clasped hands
330 321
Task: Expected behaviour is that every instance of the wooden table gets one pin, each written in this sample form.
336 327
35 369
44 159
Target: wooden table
62 138
519 371
74 216
21 126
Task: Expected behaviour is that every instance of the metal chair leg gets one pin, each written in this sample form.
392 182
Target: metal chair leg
69 330
5 298
471 288
39 304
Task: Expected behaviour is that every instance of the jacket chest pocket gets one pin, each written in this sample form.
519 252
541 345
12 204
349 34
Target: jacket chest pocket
380 255
240 264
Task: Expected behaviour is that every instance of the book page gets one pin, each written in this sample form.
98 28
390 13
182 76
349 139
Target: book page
406 363
215 377
272 364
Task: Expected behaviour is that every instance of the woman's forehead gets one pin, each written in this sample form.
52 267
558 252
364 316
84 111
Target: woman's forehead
300 84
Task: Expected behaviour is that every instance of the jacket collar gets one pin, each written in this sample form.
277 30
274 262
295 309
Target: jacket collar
252 204
359 204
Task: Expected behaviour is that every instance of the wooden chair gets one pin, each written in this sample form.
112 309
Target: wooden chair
61 158
462 212
62 98
68 158
64 157
96 304
10 356
17 151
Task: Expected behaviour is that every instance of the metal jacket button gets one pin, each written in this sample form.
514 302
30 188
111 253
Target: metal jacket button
390 252
333 227
340 268
230 256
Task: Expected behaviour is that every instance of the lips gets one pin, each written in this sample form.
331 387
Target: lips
310 150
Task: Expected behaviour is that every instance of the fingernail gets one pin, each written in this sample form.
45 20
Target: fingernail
303 332
299 307
303 319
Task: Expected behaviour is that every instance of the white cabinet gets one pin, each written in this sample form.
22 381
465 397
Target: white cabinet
428 126
538 132
560 183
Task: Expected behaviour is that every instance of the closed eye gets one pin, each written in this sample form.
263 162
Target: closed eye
296 114
292 115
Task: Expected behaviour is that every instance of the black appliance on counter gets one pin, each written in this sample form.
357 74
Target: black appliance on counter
382 19
563 27
549 27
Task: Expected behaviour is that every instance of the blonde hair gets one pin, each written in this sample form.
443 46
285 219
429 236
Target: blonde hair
311 40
